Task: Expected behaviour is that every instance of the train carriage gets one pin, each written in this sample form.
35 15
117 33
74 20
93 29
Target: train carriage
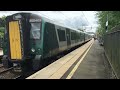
32 38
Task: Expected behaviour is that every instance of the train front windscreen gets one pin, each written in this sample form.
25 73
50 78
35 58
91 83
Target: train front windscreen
35 30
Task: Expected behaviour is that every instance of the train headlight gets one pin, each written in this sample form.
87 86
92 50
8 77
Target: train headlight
33 50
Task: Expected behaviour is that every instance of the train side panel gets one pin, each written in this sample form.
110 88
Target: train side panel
68 35
82 37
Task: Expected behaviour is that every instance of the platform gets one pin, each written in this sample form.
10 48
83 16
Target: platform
57 69
94 65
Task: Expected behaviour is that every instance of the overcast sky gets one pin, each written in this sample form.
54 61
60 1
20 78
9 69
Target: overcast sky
75 19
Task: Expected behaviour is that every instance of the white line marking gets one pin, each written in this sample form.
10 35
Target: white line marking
77 65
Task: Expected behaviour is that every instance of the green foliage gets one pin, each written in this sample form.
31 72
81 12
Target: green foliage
113 20
2 21
2 25
2 31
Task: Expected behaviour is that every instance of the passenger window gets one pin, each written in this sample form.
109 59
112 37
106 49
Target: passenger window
73 35
61 34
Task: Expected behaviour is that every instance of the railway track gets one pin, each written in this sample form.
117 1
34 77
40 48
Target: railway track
9 73
5 70
18 77
1 65
12 73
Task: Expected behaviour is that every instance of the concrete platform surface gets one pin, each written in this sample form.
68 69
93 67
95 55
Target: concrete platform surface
94 65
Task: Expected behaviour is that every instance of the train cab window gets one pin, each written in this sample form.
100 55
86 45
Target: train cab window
35 30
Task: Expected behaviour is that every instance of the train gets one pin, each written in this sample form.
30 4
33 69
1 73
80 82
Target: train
30 38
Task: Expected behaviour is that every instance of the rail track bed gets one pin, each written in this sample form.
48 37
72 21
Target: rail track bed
8 73
12 73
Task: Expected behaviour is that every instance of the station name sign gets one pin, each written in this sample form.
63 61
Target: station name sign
35 20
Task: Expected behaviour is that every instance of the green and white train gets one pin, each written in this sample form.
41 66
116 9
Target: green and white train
30 39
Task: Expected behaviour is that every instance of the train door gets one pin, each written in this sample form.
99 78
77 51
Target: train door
15 42
68 37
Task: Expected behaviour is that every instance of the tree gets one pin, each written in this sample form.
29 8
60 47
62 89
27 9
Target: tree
113 20
2 26
2 21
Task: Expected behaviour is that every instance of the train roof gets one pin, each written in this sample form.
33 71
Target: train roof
50 21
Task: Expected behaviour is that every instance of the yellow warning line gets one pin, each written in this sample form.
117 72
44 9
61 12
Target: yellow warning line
77 65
